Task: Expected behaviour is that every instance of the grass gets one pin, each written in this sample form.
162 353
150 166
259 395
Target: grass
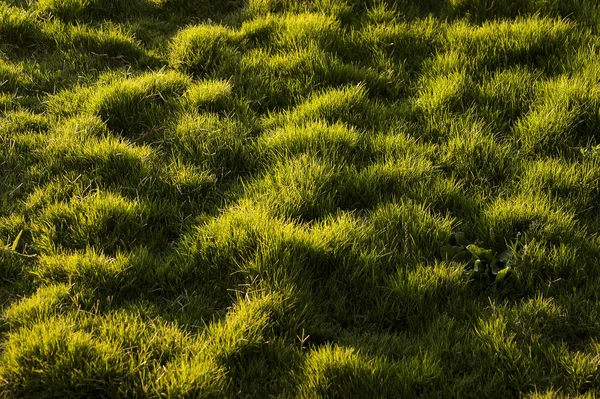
249 198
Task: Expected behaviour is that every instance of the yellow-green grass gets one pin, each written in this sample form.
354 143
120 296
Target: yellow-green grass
250 198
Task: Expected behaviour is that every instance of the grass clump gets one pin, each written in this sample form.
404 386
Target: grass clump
212 96
349 105
39 346
338 8
407 44
22 122
353 374
572 184
478 157
484 9
220 144
84 146
444 93
276 81
19 27
405 177
17 77
303 188
316 139
134 107
507 96
509 218
524 42
563 117
202 49
108 42
411 230
334 371
69 10
302 30
79 224
44 304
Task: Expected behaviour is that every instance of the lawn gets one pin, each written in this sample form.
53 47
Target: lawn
299 198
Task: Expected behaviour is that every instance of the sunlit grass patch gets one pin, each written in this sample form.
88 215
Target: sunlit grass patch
541 326
410 230
408 44
136 106
511 91
301 30
485 9
564 116
524 41
352 373
69 10
209 96
530 216
478 157
404 177
107 222
203 48
20 28
573 183
336 370
440 93
285 198
212 256
85 146
316 139
397 143
339 8
37 347
293 31
285 78
15 77
107 44
7 102
83 269
45 303
191 183
221 144
420 295
22 122
513 369
278 80
304 188
349 104
104 350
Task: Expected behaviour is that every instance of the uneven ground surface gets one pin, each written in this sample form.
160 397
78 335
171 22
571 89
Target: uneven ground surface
255 198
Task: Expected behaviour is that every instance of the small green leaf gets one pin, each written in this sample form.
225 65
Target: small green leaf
503 274
478 267
481 253
16 241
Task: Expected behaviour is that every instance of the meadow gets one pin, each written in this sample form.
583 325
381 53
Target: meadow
289 198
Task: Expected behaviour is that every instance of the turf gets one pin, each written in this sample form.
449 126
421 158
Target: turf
259 198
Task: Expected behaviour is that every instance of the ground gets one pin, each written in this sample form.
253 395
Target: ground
286 198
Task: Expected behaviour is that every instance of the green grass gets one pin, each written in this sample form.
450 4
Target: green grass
250 198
